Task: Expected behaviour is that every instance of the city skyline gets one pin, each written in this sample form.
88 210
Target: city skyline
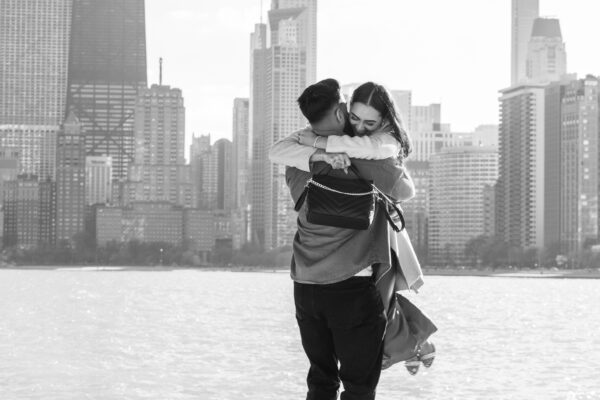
441 59
114 111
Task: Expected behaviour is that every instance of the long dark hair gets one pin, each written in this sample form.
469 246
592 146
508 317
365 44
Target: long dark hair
376 96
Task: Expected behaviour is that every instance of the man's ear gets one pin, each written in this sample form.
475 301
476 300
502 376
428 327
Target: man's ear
339 114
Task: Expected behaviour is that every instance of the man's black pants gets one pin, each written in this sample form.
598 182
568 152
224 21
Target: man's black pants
342 322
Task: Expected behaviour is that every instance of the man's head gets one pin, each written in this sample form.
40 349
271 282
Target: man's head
323 106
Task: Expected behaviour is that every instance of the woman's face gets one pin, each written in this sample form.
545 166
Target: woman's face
364 119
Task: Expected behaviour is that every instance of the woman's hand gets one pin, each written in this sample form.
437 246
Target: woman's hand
308 138
338 160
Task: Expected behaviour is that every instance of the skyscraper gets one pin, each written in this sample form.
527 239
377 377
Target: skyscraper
258 130
222 152
28 212
204 172
302 16
98 180
215 175
546 55
580 150
403 100
9 166
107 67
425 118
34 48
289 65
70 180
158 171
36 145
458 178
33 71
523 13
241 169
241 153
520 190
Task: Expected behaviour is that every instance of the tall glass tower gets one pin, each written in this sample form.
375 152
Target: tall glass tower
279 74
523 13
107 67
34 48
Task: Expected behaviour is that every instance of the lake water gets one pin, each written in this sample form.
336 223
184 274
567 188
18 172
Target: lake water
191 334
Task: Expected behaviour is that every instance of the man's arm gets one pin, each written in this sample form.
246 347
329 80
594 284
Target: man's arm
289 151
296 180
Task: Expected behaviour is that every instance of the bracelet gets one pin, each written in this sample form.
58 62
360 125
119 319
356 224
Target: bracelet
315 143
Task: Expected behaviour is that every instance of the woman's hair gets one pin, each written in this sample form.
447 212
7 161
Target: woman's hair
376 96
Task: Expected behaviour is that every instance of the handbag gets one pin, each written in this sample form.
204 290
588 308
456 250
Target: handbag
345 203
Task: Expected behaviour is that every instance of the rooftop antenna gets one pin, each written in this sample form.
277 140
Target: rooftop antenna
261 11
160 71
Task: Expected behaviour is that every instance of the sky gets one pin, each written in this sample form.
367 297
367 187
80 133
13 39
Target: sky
456 53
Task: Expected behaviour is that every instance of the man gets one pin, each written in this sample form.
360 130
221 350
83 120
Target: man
338 308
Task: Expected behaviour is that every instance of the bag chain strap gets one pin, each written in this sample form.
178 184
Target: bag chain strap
311 181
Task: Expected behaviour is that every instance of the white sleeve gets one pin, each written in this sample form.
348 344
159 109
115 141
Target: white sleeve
378 146
289 151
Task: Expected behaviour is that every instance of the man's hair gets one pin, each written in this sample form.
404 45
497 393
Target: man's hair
317 99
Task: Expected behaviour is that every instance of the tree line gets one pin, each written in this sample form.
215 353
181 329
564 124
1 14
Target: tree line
479 252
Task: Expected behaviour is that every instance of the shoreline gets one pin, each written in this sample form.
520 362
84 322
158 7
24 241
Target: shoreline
488 273
512 273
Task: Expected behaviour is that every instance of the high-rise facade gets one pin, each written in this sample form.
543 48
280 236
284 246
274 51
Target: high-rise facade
215 179
425 118
158 171
458 179
241 168
258 130
546 54
485 135
160 126
302 18
98 180
520 190
523 13
425 145
70 179
222 151
403 100
281 73
579 167
36 145
9 166
28 212
33 78
204 172
107 68
33 71
241 152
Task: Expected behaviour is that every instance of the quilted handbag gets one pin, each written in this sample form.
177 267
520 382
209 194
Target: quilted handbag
345 203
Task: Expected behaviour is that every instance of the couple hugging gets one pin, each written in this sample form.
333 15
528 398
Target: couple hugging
352 321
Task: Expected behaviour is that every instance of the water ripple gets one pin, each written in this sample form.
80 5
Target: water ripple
89 334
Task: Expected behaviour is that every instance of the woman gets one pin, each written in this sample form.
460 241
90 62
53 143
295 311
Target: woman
378 133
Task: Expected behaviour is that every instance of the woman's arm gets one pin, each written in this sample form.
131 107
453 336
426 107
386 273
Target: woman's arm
404 189
288 151
377 146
